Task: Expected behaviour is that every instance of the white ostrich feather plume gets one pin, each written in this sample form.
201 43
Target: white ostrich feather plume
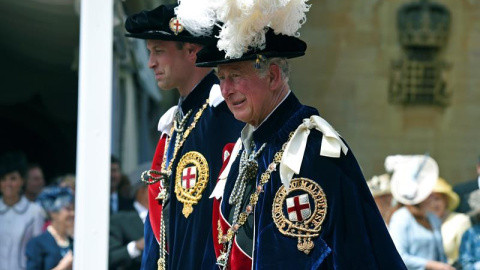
245 22
290 18
197 16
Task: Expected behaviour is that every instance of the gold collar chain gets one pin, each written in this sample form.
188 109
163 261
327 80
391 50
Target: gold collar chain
164 175
148 176
226 239
179 126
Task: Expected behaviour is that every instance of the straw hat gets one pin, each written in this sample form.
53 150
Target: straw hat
443 187
379 185
413 177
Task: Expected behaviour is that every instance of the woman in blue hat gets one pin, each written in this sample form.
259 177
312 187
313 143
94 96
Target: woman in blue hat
53 248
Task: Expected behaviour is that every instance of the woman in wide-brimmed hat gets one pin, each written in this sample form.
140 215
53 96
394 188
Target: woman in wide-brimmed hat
380 188
415 231
443 201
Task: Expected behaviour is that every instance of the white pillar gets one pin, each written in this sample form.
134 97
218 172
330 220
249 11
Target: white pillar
93 135
130 126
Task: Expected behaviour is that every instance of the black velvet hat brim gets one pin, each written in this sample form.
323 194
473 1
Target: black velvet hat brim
222 60
155 24
277 45
170 37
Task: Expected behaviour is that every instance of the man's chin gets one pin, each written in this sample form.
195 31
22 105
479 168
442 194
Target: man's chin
165 87
240 117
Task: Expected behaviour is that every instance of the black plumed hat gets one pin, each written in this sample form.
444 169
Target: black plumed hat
161 24
276 45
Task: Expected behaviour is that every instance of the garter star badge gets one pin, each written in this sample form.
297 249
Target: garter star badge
175 26
191 180
304 219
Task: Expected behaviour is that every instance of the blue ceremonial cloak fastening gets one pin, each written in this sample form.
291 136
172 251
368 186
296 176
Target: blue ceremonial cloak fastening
189 239
353 234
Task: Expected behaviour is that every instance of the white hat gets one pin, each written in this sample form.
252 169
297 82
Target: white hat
379 185
413 177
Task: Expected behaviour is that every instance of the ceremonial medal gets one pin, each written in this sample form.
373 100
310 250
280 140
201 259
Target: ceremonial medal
239 219
191 180
153 176
175 26
300 221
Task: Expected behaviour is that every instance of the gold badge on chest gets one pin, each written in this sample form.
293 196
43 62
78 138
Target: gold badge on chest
294 216
191 179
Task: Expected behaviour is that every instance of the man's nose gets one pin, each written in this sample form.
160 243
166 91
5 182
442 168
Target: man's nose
151 61
226 87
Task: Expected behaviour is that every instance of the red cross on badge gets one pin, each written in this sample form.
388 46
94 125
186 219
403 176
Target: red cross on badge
175 26
298 208
189 177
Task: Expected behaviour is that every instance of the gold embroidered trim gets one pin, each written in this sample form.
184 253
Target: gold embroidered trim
152 176
309 228
220 231
191 196
165 173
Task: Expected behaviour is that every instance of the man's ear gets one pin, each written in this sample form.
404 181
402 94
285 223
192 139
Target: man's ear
192 49
275 76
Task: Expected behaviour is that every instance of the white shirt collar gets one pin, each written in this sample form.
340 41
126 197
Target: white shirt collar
246 136
141 210
20 207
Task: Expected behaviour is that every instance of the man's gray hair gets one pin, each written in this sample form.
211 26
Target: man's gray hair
281 62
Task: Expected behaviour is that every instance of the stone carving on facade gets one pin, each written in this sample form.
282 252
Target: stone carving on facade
420 75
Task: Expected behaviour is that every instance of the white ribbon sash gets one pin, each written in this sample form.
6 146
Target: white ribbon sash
215 96
166 121
217 192
332 146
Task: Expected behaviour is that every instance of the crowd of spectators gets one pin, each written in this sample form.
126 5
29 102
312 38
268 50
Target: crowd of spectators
433 225
37 217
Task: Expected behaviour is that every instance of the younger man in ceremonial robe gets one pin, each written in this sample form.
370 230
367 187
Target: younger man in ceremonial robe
189 156
292 195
